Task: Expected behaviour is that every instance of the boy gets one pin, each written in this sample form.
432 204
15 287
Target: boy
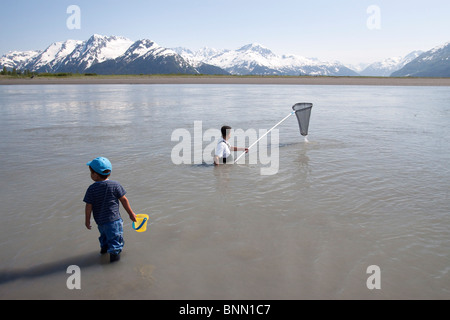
102 199
223 147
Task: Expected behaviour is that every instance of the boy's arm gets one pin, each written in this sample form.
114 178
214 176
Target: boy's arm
88 211
126 205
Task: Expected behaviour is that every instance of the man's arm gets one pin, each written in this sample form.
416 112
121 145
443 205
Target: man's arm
239 149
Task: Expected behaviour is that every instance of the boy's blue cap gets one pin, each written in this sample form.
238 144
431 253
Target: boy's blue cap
100 164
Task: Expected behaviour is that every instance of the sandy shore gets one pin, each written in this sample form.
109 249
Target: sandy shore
368 81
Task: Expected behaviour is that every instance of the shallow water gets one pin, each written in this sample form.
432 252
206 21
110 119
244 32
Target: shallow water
370 187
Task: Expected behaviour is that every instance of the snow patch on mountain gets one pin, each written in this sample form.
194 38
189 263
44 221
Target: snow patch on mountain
17 59
199 57
435 52
96 50
387 66
146 57
77 55
433 63
145 48
258 60
52 56
110 55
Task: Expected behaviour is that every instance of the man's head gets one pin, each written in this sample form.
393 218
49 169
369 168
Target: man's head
226 132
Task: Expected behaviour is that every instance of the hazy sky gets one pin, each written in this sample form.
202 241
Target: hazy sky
350 31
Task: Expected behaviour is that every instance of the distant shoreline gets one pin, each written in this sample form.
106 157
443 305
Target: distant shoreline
256 80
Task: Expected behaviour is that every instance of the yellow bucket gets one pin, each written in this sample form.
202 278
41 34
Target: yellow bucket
141 222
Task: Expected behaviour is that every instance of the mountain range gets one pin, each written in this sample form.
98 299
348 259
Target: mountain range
387 66
254 59
433 63
119 55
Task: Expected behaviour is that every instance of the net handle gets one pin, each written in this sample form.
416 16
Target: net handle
265 134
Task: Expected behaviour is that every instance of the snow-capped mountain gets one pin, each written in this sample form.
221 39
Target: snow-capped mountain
119 55
96 49
145 49
255 59
358 67
146 57
17 59
197 58
386 67
433 63
76 55
51 58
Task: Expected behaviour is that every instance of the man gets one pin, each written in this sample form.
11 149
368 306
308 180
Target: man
223 149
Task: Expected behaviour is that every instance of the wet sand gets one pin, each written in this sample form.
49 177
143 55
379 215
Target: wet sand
257 80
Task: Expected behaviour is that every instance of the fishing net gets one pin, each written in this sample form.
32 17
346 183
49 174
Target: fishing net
303 113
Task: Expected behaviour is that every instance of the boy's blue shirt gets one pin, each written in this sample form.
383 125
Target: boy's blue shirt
104 197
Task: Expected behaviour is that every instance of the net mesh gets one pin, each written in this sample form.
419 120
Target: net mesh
303 113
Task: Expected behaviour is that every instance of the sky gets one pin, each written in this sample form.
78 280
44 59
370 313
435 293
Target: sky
349 31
